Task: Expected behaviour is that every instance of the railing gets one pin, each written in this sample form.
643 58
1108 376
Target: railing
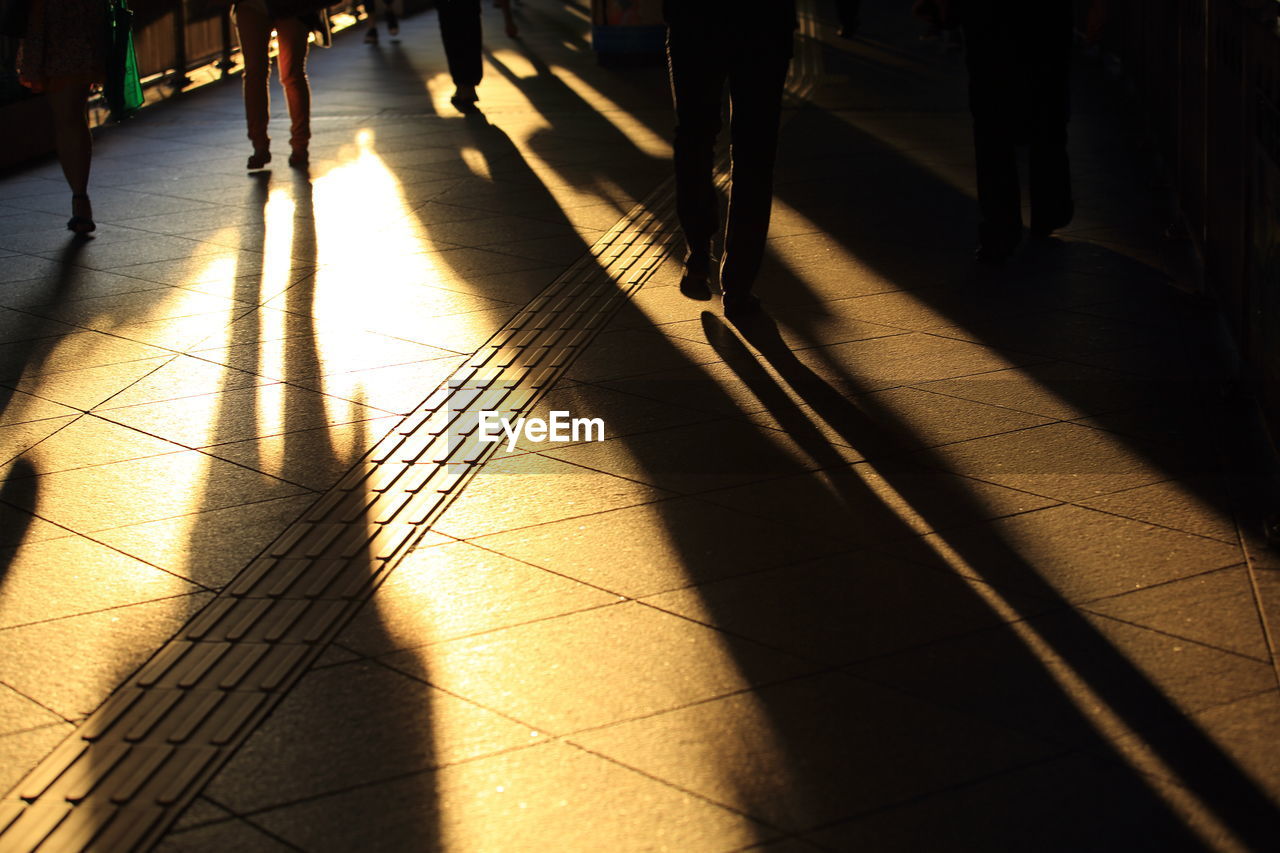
1208 75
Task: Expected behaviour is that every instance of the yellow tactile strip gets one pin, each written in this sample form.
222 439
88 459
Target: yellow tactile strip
122 778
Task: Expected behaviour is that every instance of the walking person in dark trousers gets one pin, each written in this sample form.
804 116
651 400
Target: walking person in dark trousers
711 43
1019 58
463 39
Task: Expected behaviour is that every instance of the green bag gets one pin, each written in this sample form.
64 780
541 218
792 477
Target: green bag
123 87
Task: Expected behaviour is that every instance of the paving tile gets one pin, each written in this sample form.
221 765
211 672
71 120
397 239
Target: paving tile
70 352
1063 461
833 609
597 667
629 352
811 751
89 387
1217 609
397 388
24 267
1074 678
695 458
353 725
1057 389
239 414
211 272
313 458
20 527
19 407
201 811
1070 553
658 546
1243 731
533 489
151 489
455 590
209 548
888 362
182 376
230 834
876 502
20 714
89 440
1067 804
108 644
18 326
22 751
549 797
888 421
72 575
17 439
1172 504
707 387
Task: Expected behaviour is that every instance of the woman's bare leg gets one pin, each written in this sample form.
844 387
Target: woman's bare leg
74 144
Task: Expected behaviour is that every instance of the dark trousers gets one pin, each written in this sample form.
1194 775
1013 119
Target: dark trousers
1019 57
460 32
701 63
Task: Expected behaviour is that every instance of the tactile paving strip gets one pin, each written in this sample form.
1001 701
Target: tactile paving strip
131 768
121 779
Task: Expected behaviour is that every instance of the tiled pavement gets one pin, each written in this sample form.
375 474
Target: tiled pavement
929 560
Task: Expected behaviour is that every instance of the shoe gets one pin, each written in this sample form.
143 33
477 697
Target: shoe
299 159
80 224
740 305
258 159
464 99
371 36
695 285
393 24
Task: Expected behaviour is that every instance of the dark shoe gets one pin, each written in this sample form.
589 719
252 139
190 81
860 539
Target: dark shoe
695 285
371 36
738 306
258 159
299 159
78 223
464 99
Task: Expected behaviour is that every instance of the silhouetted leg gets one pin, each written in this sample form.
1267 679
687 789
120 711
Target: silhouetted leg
755 91
460 31
1051 202
995 104
697 84
254 31
74 144
293 77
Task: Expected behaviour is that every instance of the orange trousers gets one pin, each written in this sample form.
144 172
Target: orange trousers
254 30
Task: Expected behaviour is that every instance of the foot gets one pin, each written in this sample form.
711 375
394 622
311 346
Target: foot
371 36
81 221
258 159
300 158
464 99
741 305
695 285
393 24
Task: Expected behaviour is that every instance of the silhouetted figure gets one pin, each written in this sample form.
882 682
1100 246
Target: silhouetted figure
748 46
463 39
388 14
292 21
64 54
1018 54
